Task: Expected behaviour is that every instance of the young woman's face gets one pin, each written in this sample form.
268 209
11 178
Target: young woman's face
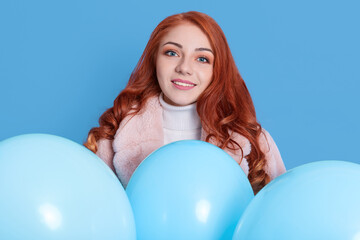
184 64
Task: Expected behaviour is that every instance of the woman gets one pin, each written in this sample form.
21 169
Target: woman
185 86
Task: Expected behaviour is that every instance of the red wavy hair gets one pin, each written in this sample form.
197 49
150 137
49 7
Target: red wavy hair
224 107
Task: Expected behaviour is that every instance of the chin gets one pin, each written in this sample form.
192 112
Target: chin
182 103
180 100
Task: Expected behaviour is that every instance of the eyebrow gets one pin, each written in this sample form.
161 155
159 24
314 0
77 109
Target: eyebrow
196 49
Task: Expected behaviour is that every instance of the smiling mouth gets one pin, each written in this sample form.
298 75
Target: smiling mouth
183 84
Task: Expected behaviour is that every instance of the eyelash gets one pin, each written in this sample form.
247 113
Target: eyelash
168 52
171 52
206 59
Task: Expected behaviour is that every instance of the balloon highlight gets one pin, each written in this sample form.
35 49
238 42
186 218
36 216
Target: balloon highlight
318 200
53 188
188 190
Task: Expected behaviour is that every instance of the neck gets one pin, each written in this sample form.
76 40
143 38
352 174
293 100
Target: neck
180 117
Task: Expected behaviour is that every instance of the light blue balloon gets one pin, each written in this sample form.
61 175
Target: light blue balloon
188 190
53 188
320 200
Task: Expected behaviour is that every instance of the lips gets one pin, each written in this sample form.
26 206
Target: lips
183 84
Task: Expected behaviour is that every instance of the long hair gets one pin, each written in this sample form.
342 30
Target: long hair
224 107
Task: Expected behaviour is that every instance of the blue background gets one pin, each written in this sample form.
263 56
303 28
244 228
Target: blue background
62 63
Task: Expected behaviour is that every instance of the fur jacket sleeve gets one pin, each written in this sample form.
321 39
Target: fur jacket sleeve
140 135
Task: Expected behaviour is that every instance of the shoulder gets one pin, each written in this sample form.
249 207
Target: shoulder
151 107
126 128
105 151
265 141
136 128
274 163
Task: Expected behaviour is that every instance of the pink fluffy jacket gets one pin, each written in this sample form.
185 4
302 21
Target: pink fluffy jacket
141 134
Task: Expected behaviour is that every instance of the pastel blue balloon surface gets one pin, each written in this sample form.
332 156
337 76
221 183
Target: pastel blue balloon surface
53 188
188 190
319 200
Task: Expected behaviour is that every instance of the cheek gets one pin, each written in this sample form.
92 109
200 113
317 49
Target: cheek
162 67
207 75
159 69
162 73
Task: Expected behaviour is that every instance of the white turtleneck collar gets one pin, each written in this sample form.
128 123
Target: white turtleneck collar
180 122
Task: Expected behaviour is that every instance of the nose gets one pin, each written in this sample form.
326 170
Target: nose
184 67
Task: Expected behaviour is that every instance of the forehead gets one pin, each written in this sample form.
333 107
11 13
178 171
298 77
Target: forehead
188 35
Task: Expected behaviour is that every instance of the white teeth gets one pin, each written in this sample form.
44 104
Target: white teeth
183 84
